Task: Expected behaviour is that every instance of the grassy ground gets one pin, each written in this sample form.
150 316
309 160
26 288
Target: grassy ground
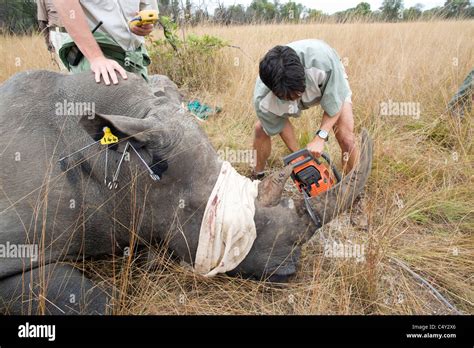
419 197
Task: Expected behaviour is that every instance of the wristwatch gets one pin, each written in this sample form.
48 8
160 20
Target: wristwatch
322 134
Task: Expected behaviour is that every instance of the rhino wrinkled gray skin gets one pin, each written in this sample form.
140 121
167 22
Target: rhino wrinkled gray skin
67 214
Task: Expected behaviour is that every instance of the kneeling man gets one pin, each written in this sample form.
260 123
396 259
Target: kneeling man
296 77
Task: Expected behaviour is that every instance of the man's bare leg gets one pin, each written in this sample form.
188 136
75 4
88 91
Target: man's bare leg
262 144
288 136
344 131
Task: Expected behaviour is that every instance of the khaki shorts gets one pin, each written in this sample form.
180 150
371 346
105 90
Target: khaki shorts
57 38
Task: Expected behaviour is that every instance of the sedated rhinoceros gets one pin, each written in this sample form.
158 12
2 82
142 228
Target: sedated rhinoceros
67 211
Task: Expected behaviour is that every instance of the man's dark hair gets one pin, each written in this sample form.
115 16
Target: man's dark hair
282 71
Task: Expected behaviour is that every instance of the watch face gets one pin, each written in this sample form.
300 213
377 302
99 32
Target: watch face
323 134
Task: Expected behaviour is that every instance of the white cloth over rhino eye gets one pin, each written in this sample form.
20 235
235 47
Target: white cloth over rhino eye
228 226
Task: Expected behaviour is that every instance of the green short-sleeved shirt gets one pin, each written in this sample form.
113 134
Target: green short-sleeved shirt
326 84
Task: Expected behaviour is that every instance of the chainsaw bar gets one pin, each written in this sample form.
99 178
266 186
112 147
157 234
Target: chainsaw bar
315 218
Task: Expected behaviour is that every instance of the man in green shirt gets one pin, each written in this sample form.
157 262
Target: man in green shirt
293 78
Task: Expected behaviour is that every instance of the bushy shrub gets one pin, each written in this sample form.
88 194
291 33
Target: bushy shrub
190 61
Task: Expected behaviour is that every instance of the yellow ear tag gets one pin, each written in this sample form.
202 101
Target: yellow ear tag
108 137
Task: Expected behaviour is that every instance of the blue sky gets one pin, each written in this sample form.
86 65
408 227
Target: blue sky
327 6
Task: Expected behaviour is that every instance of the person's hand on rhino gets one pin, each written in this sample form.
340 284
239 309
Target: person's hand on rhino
103 67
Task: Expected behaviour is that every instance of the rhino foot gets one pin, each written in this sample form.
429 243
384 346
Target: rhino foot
52 289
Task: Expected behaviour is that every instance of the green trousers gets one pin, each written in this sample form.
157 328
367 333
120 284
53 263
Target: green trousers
463 97
132 61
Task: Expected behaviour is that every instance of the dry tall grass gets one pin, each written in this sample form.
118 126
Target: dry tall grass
420 198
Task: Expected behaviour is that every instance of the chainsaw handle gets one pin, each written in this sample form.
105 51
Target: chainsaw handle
309 156
297 164
333 168
295 155
326 157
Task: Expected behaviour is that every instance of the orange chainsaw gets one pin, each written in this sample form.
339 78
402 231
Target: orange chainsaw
312 176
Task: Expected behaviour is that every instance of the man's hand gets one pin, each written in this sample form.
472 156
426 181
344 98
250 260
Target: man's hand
104 67
78 29
316 147
144 30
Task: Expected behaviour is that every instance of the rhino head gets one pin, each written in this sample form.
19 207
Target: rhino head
284 225
176 147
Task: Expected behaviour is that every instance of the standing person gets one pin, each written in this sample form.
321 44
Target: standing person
114 47
462 100
296 77
51 28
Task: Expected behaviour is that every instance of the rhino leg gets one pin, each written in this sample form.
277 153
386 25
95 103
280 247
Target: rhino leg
51 289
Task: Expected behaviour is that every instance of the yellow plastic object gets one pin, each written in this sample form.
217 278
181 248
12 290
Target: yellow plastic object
108 137
144 17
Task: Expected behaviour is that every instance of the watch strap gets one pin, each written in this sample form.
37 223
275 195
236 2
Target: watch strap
317 133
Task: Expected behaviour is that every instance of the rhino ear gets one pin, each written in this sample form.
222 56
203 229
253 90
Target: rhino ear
122 126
